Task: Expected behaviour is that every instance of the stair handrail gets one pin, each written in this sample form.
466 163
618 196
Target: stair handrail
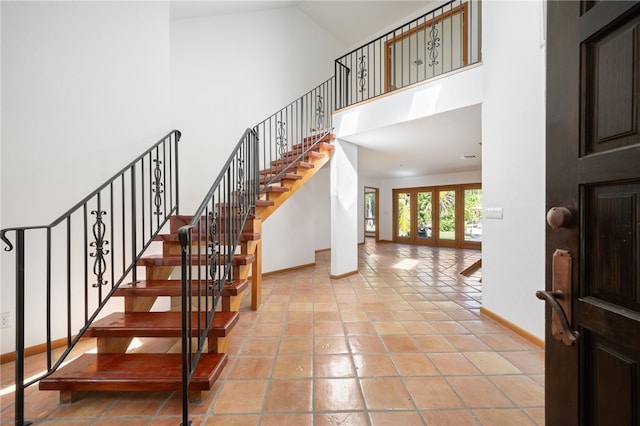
156 169
302 123
216 227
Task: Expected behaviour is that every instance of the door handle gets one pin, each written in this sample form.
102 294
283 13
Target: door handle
566 334
560 298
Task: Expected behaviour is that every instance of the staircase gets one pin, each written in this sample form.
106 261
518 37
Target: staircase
157 364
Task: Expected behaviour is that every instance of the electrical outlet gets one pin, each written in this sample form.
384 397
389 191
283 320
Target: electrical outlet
5 319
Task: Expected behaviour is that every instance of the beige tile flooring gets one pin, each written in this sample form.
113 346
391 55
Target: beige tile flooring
400 343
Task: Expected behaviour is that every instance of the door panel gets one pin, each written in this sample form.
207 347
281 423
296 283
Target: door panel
615 390
611 242
403 206
472 220
610 84
425 217
593 169
447 222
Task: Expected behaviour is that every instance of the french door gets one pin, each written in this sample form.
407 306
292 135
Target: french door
447 216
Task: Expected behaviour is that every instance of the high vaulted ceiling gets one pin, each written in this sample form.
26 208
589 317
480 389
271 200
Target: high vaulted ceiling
433 145
351 22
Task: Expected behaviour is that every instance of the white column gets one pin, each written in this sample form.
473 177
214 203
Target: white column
344 209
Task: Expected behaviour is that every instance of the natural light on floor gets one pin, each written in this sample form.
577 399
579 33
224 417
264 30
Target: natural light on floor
406 264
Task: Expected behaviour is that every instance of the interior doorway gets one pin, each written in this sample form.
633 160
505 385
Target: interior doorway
371 212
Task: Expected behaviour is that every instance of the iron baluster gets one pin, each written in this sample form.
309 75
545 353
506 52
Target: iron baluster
319 113
433 44
214 245
281 138
362 74
241 189
100 264
157 186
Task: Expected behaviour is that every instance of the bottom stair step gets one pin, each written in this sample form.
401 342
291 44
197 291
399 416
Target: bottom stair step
133 372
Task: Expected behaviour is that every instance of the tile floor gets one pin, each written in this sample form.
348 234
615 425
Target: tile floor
400 343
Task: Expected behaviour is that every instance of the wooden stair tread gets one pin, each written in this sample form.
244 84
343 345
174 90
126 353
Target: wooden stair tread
155 288
235 288
312 146
133 372
158 324
176 260
265 203
274 188
309 154
287 176
173 238
284 164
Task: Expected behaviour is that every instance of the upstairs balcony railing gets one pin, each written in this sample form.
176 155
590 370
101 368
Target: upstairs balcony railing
440 41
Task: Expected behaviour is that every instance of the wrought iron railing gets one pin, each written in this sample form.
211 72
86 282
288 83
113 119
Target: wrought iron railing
208 244
440 41
288 134
261 157
70 268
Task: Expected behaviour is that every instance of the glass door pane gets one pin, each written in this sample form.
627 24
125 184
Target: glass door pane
473 214
425 216
404 214
369 213
447 215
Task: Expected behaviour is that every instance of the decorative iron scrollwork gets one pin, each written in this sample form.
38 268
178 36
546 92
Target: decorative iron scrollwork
319 112
281 138
241 188
99 264
157 187
214 245
362 74
4 238
433 44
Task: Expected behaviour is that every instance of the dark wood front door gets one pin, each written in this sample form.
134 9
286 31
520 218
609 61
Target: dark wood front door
593 170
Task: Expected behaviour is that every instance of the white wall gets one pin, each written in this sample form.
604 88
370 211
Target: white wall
85 89
231 72
320 183
458 90
344 209
513 169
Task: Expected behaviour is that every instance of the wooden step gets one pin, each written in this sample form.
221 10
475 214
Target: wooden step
133 372
171 288
314 139
315 147
158 324
311 154
280 165
276 189
285 177
265 203
173 238
176 260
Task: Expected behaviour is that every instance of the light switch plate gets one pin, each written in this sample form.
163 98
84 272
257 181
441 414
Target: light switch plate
493 213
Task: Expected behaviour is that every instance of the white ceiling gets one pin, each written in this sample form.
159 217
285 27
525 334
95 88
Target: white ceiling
437 144
433 145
